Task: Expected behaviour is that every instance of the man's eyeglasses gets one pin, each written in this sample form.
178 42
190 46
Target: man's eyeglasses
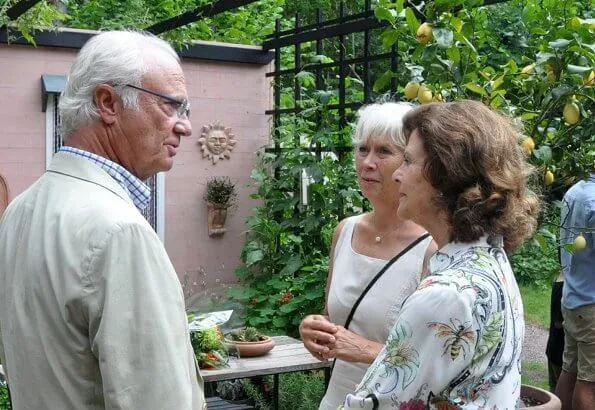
183 106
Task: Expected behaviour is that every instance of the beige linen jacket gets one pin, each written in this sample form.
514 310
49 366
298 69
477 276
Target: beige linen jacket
91 310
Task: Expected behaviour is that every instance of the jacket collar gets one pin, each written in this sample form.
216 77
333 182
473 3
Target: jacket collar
80 168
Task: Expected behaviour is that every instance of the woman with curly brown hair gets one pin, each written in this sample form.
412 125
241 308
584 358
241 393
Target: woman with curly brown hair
457 340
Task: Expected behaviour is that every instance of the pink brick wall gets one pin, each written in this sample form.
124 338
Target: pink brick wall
235 94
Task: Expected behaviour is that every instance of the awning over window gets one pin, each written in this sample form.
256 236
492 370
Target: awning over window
51 84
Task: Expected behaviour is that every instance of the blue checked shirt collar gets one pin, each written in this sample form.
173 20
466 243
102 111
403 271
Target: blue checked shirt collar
136 189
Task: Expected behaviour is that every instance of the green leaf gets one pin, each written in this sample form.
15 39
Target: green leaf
561 91
277 284
381 83
412 21
569 248
544 154
240 293
529 116
457 24
321 59
280 322
454 54
324 96
254 256
547 234
559 43
468 43
315 294
444 37
256 321
389 37
293 265
399 5
476 89
288 308
384 14
541 240
577 69
242 272
498 82
306 78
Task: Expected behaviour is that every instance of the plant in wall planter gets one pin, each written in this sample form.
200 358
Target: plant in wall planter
220 195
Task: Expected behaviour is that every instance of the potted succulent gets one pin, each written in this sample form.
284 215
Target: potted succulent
220 195
535 398
249 342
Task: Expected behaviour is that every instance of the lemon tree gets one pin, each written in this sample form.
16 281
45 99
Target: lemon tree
504 54
532 59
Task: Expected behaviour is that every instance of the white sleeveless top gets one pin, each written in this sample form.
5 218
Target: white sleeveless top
377 312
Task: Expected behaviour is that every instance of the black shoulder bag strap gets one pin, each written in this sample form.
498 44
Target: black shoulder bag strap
375 279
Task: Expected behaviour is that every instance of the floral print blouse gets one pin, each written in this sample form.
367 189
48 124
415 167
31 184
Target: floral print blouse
457 341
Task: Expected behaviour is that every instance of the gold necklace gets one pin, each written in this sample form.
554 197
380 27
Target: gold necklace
378 238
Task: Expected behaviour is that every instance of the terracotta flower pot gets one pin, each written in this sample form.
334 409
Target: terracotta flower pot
217 215
252 349
539 399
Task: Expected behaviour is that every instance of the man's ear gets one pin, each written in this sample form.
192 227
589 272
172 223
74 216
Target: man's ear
108 103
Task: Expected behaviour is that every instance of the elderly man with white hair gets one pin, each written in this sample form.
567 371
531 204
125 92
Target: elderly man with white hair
91 310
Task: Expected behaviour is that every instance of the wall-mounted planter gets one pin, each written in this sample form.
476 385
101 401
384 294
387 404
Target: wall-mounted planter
217 215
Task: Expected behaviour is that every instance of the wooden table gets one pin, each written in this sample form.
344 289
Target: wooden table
288 355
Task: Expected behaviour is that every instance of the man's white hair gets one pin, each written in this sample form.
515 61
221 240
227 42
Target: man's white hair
383 120
113 57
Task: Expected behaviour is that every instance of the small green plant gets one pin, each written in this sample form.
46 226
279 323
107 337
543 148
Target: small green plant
209 348
301 390
232 390
248 334
4 404
256 395
221 191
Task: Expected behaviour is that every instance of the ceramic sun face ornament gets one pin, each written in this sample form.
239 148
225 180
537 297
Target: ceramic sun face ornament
216 142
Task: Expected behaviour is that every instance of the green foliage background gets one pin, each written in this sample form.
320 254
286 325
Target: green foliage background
528 58
477 53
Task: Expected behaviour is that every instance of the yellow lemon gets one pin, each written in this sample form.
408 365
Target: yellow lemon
411 90
437 97
424 33
528 145
571 113
424 95
526 70
590 79
580 243
575 23
549 178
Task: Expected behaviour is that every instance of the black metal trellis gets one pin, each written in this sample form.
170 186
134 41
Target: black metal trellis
319 32
20 8
194 15
322 31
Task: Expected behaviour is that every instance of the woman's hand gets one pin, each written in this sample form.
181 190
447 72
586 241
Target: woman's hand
351 347
317 333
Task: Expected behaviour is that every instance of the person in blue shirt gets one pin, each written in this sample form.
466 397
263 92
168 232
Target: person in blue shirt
576 385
